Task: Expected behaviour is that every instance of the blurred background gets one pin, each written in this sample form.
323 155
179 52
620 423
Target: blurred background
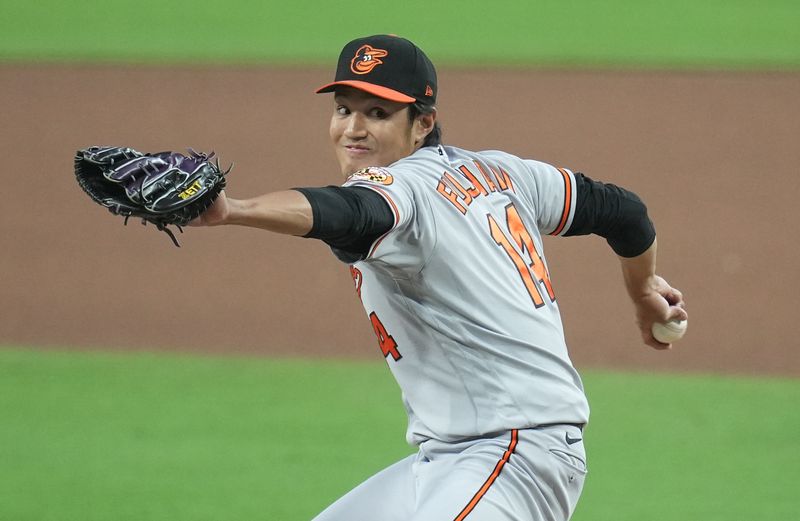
115 384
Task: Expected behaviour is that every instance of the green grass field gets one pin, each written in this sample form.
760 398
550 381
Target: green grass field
91 436
615 33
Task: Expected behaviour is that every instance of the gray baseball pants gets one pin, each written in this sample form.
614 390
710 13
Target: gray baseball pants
520 475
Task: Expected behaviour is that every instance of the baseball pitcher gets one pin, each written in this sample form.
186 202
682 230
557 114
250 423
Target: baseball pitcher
445 249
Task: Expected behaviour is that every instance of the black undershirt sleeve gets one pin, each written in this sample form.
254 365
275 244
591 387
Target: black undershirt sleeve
349 219
613 213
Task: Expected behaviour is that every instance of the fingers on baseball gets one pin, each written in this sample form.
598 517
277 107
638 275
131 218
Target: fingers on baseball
677 306
678 313
674 297
652 342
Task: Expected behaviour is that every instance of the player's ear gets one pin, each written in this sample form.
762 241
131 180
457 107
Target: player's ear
423 125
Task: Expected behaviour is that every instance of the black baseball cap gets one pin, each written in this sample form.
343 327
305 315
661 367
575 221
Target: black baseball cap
386 66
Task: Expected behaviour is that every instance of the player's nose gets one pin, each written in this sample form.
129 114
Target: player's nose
356 126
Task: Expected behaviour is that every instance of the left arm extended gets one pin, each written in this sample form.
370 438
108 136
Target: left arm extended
349 219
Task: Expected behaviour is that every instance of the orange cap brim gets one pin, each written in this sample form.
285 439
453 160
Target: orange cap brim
375 90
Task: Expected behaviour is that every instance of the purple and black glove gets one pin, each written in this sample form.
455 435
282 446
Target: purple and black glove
164 188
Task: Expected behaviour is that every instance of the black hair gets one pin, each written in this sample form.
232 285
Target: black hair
434 137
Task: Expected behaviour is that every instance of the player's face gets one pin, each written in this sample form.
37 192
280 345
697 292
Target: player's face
371 131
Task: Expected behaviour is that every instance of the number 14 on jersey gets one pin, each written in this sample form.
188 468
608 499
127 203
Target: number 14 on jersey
532 274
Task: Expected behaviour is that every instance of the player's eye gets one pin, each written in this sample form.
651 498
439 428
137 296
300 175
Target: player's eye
378 112
342 110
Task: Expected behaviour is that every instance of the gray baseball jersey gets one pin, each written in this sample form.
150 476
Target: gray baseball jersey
459 294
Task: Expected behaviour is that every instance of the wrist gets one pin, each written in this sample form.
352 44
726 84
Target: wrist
640 273
233 212
641 287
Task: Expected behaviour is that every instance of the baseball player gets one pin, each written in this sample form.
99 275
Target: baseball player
445 250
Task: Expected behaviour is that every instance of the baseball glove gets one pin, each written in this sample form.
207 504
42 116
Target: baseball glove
166 188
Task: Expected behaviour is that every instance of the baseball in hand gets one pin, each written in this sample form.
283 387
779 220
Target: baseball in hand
669 332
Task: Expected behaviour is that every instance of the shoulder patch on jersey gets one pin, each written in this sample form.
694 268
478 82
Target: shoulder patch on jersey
372 174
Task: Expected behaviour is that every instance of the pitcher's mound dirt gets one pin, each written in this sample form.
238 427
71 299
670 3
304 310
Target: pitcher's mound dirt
715 156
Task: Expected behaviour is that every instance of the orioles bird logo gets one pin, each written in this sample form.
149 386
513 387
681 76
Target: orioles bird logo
367 58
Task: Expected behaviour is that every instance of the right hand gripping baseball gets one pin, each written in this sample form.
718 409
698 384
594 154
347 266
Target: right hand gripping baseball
662 304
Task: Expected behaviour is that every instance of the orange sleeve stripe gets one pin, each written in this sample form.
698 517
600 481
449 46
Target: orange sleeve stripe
490 481
395 211
567 202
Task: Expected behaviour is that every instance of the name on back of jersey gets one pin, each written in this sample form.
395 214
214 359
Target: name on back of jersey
475 180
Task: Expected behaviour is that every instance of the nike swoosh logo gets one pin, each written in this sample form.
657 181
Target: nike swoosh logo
571 441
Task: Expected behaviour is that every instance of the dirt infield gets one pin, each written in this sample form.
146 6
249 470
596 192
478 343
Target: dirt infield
715 155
